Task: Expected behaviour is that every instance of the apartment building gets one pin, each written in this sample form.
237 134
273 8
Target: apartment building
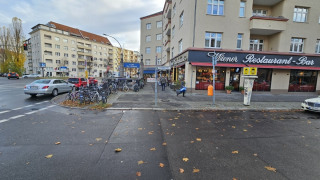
129 56
151 40
67 51
279 37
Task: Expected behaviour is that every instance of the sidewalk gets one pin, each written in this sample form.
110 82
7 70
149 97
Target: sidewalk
198 100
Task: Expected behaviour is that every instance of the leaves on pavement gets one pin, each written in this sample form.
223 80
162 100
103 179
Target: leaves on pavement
185 159
98 139
57 143
181 170
271 168
153 149
150 132
235 152
161 165
118 150
196 170
49 156
141 162
164 144
198 139
138 174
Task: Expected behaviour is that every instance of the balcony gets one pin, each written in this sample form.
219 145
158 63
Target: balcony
30 63
83 46
169 14
81 66
266 3
168 32
84 53
264 25
81 60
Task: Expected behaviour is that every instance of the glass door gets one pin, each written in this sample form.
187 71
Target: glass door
235 78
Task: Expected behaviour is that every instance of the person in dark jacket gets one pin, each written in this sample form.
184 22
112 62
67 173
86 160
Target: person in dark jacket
163 81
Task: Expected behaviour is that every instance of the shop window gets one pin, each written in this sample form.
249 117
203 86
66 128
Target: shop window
303 81
263 83
204 78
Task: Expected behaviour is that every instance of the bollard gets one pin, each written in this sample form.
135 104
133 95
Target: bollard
210 90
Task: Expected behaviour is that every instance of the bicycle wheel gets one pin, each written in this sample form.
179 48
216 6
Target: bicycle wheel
76 96
125 88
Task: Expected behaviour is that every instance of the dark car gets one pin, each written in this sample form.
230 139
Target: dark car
13 75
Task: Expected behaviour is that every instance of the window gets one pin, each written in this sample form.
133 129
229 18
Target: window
147 61
303 81
47 37
95 47
159 61
66 55
318 46
172 52
57 38
58 61
173 31
259 12
65 40
174 9
242 9
181 19
239 41
300 14
215 7
73 56
256 45
159 37
73 42
148 25
65 48
213 40
180 46
57 46
57 54
158 49
148 38
159 24
296 45
73 49
74 69
148 50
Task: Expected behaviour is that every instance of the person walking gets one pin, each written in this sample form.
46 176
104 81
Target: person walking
163 82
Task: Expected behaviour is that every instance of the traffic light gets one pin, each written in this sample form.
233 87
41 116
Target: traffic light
25 46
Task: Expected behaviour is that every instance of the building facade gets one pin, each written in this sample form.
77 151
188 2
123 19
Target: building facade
67 51
279 37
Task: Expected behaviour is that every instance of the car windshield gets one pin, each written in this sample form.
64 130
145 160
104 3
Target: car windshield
42 81
73 80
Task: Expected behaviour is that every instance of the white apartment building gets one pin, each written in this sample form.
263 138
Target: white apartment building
67 51
279 37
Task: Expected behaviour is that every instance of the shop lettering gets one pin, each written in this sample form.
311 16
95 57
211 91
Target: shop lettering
221 58
250 58
303 61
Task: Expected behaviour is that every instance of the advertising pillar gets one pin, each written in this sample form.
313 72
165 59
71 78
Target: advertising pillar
248 85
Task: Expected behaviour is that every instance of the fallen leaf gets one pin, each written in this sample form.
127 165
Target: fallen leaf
27 163
140 162
196 170
140 129
173 125
164 144
118 150
138 173
234 179
270 168
181 170
255 154
176 118
245 130
49 156
152 149
198 139
309 122
98 139
185 159
150 132
57 143
170 119
197 129
235 152
82 131
233 127
191 142
90 144
161 165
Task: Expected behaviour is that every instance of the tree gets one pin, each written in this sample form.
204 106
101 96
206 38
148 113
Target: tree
11 41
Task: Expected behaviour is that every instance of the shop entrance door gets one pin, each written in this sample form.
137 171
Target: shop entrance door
235 78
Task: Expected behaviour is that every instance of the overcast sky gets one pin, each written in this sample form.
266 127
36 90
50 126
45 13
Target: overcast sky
119 18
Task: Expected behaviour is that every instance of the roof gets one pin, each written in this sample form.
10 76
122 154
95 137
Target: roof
84 34
152 15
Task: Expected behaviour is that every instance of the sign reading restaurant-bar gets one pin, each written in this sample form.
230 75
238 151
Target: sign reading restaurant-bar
251 58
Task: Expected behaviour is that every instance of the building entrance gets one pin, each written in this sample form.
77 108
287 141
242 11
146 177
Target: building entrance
235 78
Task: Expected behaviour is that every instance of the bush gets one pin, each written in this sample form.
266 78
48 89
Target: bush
241 88
229 88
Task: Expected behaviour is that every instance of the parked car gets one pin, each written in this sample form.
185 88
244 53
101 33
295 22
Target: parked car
48 86
4 75
312 104
31 75
13 75
92 81
78 82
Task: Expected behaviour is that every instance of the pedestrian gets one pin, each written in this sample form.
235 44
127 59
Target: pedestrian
163 82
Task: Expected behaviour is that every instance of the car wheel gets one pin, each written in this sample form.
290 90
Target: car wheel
33 95
55 92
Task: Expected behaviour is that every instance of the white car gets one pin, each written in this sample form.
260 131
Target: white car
31 75
312 104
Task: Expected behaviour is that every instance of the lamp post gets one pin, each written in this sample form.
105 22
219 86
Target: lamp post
121 56
141 66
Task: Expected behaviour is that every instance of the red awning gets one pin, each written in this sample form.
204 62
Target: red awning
255 65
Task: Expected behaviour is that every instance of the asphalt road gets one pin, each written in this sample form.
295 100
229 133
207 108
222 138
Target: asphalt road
39 140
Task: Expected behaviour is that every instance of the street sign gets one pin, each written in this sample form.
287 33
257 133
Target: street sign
246 71
42 65
252 71
151 80
131 65
163 67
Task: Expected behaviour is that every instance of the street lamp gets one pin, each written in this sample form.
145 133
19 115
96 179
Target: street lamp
121 56
141 66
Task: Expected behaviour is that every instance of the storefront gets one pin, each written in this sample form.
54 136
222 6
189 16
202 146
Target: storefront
276 72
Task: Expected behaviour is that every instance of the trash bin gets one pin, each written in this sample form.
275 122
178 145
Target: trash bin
210 90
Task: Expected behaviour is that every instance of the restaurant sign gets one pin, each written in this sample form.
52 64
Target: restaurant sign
250 58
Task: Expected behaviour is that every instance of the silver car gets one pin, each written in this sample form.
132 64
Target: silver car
48 86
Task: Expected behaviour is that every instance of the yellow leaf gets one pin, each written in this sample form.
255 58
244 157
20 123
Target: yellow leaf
235 152
152 149
255 154
191 142
150 132
181 170
140 129
138 173
199 139
98 139
49 156
118 150
197 129
164 144
57 143
234 179
176 118
196 170
161 165
170 119
309 122
233 127
185 159
270 168
245 130
140 162
90 144
173 125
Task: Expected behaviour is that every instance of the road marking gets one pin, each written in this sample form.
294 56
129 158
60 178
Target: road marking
17 108
15 117
4 112
5 120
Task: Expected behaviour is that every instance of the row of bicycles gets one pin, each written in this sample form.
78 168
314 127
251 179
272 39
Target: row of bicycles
96 94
